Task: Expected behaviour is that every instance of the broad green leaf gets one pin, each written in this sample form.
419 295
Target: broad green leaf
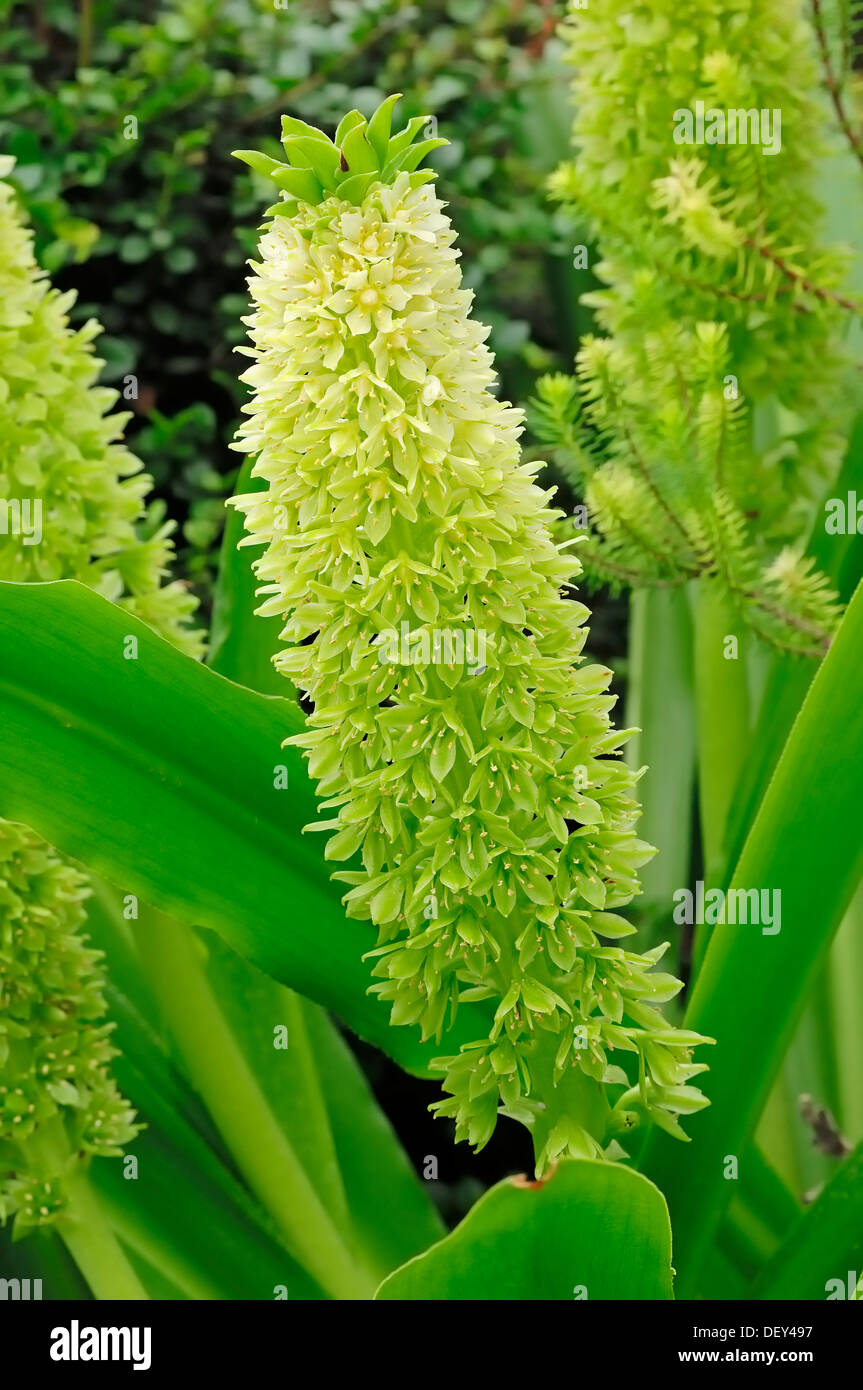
846 1017
788 681
164 778
824 1056
805 843
591 1231
825 1244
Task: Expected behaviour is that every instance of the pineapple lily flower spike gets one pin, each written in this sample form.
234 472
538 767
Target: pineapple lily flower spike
466 757
63 452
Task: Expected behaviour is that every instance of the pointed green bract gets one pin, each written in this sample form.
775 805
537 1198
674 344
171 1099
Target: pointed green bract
363 153
465 756
380 126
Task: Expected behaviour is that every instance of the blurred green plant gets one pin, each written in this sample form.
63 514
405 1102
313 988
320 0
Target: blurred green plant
702 426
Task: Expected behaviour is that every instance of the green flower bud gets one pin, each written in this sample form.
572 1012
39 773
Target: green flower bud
467 757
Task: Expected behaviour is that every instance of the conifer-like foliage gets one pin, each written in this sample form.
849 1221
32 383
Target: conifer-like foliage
465 755
63 452
719 301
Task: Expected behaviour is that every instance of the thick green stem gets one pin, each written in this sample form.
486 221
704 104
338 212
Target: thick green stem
83 1224
722 713
846 976
93 1245
230 1090
659 704
722 705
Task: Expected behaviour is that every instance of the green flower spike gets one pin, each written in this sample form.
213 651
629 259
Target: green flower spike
58 1103
63 467
467 757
